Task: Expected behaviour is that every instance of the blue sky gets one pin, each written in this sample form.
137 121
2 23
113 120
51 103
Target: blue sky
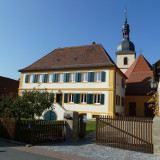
30 29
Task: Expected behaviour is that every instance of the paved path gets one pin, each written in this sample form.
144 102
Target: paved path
12 151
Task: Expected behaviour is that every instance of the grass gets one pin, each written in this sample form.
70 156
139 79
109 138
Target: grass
90 126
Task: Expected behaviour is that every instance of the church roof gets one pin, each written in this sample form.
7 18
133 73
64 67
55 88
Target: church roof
139 75
73 57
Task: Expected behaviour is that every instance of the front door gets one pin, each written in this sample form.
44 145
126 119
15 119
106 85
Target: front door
59 98
132 108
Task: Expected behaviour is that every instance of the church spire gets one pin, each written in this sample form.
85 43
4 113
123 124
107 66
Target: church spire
125 27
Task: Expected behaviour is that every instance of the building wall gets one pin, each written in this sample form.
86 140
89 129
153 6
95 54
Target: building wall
140 100
120 60
120 91
107 88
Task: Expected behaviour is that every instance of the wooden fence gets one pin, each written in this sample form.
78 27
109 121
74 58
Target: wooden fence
32 131
133 133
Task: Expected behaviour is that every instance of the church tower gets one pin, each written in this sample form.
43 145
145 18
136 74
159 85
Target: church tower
125 51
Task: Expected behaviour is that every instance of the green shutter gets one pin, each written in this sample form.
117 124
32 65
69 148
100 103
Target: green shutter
89 98
52 96
102 99
26 78
76 98
90 76
103 76
77 77
65 98
55 77
66 77
35 78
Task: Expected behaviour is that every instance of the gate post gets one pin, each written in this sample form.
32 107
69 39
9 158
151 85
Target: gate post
82 129
72 125
156 135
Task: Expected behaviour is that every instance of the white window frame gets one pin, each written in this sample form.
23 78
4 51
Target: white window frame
61 77
72 77
83 98
96 100
84 77
31 78
71 98
97 76
50 77
40 77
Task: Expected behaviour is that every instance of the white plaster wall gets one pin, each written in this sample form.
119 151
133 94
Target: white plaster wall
119 91
120 59
57 109
67 85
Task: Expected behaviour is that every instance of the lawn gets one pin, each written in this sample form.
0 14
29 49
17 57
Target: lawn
90 126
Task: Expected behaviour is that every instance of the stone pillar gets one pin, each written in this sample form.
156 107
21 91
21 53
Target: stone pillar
72 127
156 135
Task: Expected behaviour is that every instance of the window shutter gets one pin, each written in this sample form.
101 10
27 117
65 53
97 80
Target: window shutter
26 78
77 77
66 77
89 98
90 76
76 98
43 78
55 77
35 78
103 76
52 96
102 99
65 98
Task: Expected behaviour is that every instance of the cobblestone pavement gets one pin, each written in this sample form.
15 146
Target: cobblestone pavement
91 150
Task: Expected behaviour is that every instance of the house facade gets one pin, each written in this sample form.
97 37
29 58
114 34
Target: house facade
83 79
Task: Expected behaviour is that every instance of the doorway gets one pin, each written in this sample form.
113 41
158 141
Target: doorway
132 108
59 98
50 116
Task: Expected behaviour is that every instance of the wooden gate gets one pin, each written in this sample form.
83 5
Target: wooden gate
133 133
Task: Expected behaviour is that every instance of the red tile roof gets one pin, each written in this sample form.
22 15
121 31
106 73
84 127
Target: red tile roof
8 85
139 75
73 57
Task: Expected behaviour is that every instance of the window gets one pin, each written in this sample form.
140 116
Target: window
72 77
125 61
30 78
61 77
96 99
83 98
71 98
50 77
40 78
94 116
117 100
97 76
84 77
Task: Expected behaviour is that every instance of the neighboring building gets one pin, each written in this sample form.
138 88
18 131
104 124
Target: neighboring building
8 86
139 75
83 79
125 51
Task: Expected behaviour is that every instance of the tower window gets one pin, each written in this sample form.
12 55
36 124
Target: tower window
125 61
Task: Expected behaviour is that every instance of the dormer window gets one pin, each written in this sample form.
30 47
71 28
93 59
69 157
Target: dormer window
125 61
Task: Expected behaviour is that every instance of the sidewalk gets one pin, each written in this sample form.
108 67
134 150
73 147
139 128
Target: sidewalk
39 151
